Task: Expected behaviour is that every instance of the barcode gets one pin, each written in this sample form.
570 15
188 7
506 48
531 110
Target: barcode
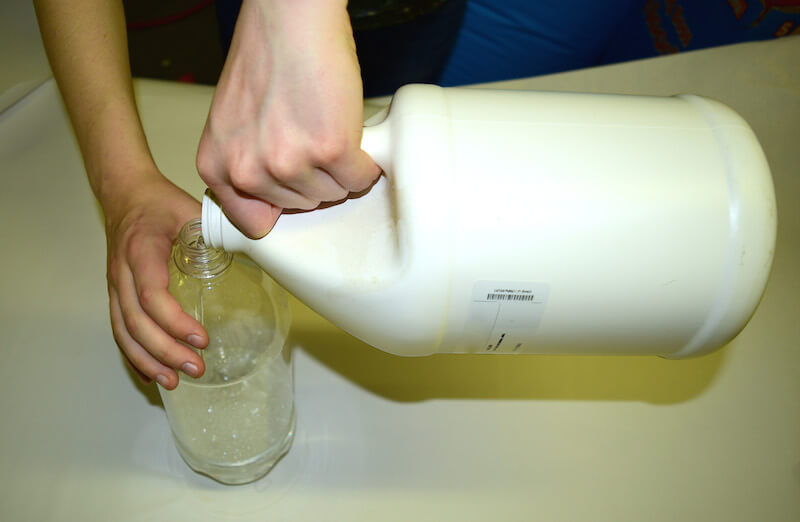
509 297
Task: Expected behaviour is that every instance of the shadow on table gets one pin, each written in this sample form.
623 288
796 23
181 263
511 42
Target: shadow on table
150 391
477 376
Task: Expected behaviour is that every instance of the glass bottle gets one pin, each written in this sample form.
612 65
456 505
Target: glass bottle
237 420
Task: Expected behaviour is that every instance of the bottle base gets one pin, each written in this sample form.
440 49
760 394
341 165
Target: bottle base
239 473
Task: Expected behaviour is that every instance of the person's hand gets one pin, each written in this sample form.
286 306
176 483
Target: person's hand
145 319
86 46
284 129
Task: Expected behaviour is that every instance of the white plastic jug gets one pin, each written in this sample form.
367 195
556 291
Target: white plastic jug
537 222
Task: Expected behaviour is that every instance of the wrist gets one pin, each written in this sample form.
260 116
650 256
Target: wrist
115 152
290 16
128 190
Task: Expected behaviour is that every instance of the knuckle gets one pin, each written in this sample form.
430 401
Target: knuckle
330 150
112 276
285 168
244 179
135 239
204 162
133 245
147 369
132 324
169 355
148 297
113 261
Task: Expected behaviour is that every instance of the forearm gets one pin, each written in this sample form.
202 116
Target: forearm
86 44
87 47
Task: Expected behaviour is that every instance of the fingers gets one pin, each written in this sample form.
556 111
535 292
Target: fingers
143 363
151 279
254 217
282 184
326 170
142 377
355 172
253 190
147 333
134 329
317 185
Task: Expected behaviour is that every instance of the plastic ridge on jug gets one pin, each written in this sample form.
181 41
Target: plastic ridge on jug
537 222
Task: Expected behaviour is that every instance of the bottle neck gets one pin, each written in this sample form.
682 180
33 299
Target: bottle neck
196 259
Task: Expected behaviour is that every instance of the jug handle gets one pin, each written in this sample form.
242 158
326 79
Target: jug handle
376 140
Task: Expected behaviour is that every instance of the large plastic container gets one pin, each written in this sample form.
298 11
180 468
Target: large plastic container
537 222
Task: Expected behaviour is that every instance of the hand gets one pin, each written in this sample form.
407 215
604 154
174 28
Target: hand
86 46
145 319
284 129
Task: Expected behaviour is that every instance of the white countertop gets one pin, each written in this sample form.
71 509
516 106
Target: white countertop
23 64
381 437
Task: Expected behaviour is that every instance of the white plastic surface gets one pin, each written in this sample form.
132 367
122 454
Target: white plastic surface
591 223
23 63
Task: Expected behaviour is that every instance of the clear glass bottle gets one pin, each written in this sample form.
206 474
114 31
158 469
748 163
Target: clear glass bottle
237 420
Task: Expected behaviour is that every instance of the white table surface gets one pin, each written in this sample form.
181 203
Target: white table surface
381 437
23 62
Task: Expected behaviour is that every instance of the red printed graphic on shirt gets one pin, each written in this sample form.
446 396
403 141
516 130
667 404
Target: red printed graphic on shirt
785 6
784 29
738 7
657 32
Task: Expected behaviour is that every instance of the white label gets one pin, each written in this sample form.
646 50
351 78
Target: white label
503 316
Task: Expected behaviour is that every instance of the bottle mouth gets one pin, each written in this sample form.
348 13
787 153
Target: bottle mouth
194 257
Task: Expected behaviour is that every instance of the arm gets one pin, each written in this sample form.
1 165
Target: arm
87 47
284 129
